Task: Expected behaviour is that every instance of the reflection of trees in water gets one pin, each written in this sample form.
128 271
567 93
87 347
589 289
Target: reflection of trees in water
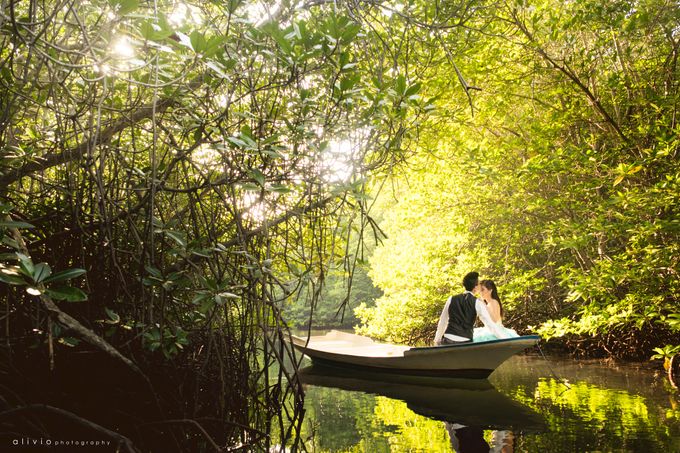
347 421
370 423
412 432
584 417
337 420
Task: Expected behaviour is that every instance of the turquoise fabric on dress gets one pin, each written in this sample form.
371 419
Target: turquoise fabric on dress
483 334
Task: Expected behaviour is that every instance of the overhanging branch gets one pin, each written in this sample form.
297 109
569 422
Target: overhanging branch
144 112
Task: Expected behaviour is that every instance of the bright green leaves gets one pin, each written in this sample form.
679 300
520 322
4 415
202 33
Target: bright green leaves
623 171
666 352
346 87
123 7
200 44
285 39
157 29
184 43
540 189
244 140
404 95
303 41
340 30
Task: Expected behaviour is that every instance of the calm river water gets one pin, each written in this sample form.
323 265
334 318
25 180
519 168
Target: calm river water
527 405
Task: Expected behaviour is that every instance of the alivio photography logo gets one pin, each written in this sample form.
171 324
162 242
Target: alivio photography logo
47 442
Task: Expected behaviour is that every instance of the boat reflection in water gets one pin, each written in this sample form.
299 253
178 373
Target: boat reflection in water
467 406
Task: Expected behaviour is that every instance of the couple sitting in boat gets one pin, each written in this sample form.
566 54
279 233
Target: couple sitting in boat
456 323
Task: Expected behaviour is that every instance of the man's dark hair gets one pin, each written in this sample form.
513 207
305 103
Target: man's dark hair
470 281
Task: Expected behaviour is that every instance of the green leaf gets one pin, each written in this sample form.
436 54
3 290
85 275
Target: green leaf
154 271
15 224
41 271
205 253
114 318
271 152
258 176
11 279
237 141
273 30
198 42
177 237
207 305
10 242
200 297
214 45
220 70
25 265
6 74
156 30
124 7
67 293
400 86
413 89
250 186
69 341
278 188
65 275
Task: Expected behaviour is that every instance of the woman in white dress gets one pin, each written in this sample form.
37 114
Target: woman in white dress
489 294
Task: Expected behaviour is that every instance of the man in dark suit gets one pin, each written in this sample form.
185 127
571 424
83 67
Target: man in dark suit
457 320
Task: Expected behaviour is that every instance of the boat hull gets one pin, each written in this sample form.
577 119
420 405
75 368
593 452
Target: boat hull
470 360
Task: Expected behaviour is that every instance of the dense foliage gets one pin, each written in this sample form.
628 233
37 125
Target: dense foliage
172 173
561 182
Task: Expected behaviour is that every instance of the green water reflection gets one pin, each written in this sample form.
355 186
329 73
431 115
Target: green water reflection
605 408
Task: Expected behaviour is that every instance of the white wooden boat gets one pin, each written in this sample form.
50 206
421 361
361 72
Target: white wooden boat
469 360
